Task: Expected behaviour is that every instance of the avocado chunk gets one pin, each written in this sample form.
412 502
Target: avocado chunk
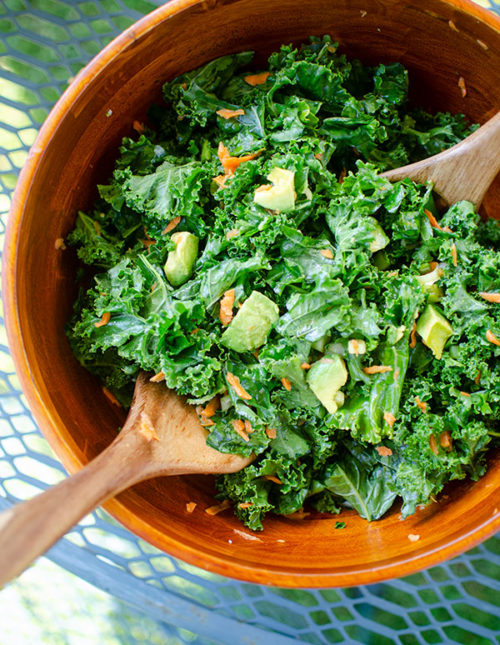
280 196
325 378
428 282
180 262
251 325
379 239
434 329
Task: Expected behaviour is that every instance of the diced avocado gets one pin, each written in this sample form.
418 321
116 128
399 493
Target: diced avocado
251 325
434 329
428 282
379 238
325 378
180 262
280 196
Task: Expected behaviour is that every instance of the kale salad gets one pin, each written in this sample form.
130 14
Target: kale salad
248 253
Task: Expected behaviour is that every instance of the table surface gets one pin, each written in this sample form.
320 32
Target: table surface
43 43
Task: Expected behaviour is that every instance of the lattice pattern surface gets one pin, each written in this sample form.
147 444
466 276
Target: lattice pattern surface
42 44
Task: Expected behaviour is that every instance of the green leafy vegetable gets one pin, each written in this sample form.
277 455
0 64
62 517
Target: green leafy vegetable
291 224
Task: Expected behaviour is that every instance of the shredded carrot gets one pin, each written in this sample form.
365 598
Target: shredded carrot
274 479
226 307
106 316
244 505
218 508
305 366
384 451
205 422
477 380
377 369
220 180
59 244
234 381
286 384
491 338
432 220
464 393
231 163
97 227
138 127
171 225
413 335
232 233
462 86
433 444
454 255
342 176
257 79
397 373
490 297
327 254
413 537
452 25
111 397
318 156
190 506
157 377
248 427
389 418
433 265
422 405
256 353
239 427
211 407
148 241
229 114
147 429
445 440
271 433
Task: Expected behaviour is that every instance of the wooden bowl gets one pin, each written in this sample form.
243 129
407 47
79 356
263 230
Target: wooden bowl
439 41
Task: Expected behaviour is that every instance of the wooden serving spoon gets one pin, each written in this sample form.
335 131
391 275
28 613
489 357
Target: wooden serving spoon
464 171
161 436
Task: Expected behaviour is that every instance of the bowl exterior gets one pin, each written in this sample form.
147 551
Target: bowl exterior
440 41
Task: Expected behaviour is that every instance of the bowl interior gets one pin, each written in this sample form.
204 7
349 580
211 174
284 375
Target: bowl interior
439 44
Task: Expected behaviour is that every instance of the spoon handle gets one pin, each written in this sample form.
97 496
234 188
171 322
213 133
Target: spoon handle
30 528
464 171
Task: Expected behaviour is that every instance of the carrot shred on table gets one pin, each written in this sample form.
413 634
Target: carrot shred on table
454 255
239 427
286 384
230 164
226 307
190 506
389 418
171 225
147 429
160 376
59 244
327 254
274 479
305 366
218 508
105 318
490 297
257 79
384 451
211 407
377 369
234 382
491 338
271 433
244 505
422 405
111 397
229 114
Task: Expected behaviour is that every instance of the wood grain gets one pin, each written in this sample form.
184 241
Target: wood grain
73 153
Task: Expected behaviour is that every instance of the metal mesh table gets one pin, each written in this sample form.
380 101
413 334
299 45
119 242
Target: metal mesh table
42 44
